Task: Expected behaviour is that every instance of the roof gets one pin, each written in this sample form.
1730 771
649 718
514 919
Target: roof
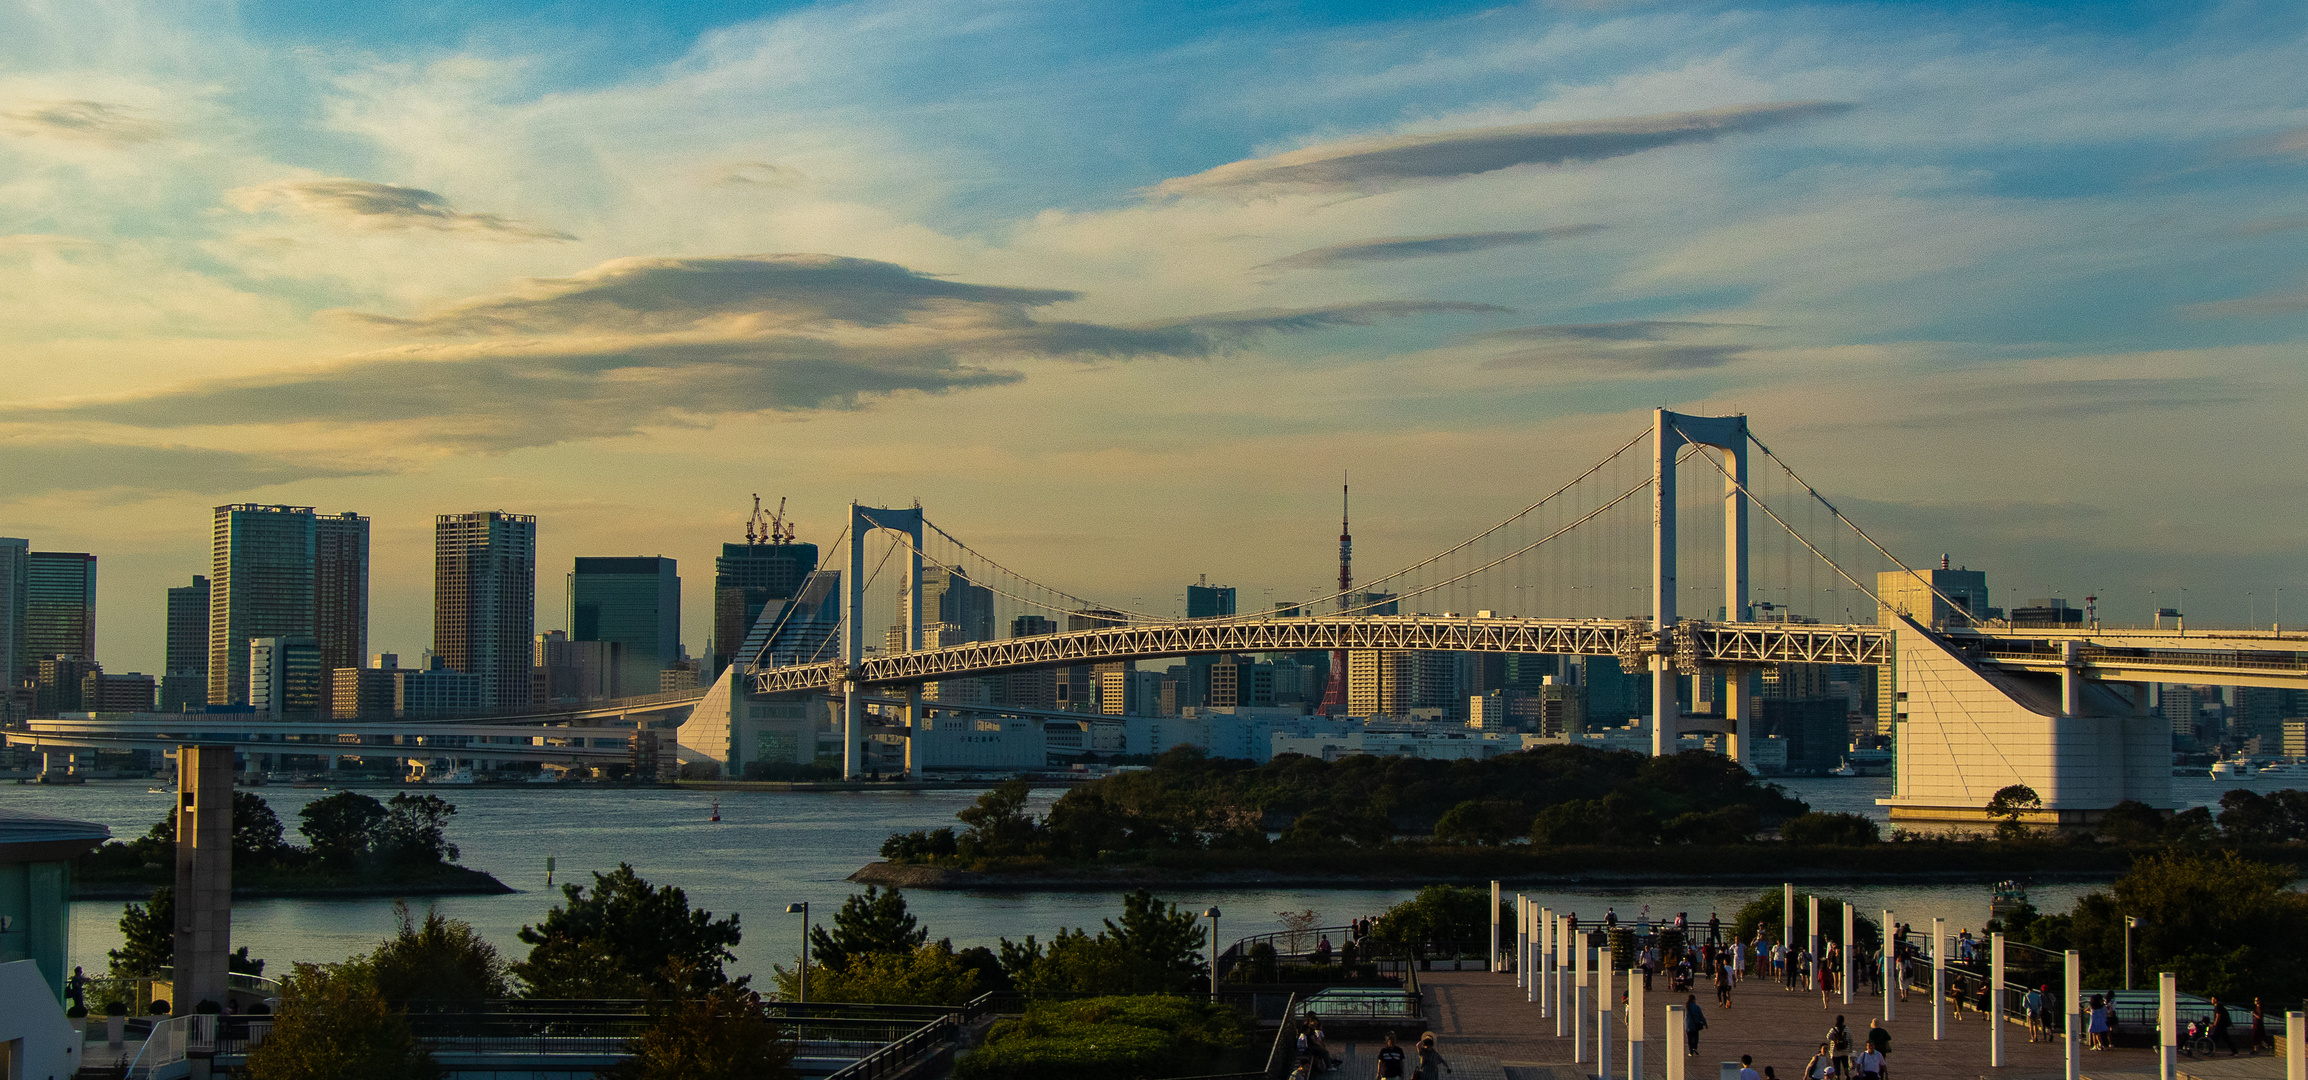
40 838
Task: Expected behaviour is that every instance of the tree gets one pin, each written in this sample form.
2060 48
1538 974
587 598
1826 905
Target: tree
1487 822
1439 913
2009 805
256 831
999 823
622 935
340 827
1155 949
1822 830
2226 924
2132 823
725 1033
334 1025
410 833
2248 817
1764 912
869 923
439 959
933 974
1160 936
148 936
1615 820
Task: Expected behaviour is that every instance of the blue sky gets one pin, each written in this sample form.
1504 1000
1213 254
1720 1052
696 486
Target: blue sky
622 265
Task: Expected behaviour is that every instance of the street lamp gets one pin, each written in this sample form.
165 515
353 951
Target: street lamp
1212 915
802 909
2130 923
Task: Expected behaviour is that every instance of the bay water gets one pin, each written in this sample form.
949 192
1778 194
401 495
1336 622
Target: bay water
771 849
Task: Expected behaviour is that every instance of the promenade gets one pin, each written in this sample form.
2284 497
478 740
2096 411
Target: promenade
1487 1031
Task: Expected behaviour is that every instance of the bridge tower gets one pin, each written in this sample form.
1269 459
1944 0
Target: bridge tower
862 520
1670 432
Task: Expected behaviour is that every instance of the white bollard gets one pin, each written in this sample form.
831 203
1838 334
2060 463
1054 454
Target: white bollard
1890 967
1675 1037
1635 1025
1564 1006
1546 962
1493 963
1581 1000
2296 1046
1606 1003
1787 922
1818 940
1850 949
1995 1001
1938 979
2168 1026
1521 921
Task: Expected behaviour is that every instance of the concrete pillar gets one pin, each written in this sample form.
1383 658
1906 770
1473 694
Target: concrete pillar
1494 960
203 874
1546 964
2168 1027
1890 967
2296 1046
913 731
1938 979
1995 1001
1850 949
1582 1000
2071 678
1738 714
1675 1037
1635 1024
1818 940
852 730
1606 1003
1522 920
1787 920
2075 1018
1564 1006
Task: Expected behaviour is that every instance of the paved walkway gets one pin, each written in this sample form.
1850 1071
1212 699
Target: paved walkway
1488 1032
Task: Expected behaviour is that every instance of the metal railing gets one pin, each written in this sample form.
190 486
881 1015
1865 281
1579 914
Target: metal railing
899 1056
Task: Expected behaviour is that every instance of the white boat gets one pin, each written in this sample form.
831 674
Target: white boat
2235 768
1845 771
462 774
2282 770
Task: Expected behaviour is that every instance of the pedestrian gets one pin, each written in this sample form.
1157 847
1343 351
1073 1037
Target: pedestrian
2221 1022
2259 1027
1390 1059
2034 1004
1747 1068
1878 1039
1429 1059
1694 1022
1870 1064
1826 979
1714 929
1821 1066
1839 1045
1769 1074
1723 984
2096 1035
1611 918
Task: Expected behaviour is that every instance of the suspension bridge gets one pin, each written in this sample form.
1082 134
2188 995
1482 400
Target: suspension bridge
1979 703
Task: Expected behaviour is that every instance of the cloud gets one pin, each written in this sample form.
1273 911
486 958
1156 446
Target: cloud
2249 307
96 121
665 294
1627 330
43 242
758 173
1632 346
2283 144
36 467
1393 248
1381 164
364 204
636 343
2265 226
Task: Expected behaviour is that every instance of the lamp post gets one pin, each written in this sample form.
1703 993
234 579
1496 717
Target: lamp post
1211 913
802 909
2130 924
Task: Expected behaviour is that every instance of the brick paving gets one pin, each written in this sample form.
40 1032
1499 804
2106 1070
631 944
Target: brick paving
1488 1032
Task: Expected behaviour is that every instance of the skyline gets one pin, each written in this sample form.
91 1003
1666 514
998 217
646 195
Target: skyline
1116 292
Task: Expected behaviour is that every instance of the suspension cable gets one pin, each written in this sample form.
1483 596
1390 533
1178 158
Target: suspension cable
1862 533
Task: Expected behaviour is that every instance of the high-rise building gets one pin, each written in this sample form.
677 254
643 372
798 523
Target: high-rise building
366 693
1076 686
57 682
132 692
636 602
485 601
285 676
13 553
260 584
747 578
1032 688
184 672
341 589
1207 601
1934 597
60 604
952 598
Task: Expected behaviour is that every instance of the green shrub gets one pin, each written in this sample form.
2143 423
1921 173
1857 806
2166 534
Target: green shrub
1837 830
1110 1036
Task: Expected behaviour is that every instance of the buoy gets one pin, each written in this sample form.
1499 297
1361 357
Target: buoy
717 808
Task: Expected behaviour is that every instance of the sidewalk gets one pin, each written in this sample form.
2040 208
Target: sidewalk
1488 1032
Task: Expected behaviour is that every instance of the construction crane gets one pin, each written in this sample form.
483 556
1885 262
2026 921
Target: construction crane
772 529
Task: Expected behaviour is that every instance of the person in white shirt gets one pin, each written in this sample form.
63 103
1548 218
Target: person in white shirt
1870 1064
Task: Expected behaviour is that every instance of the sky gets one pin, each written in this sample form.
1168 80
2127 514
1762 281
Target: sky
1117 291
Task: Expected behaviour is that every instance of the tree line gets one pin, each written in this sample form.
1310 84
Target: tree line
347 832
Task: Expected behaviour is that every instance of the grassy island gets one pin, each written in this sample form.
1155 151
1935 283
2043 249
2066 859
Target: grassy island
1558 812
355 846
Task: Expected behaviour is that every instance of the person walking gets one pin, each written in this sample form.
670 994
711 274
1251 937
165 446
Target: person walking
1723 984
2034 1004
2259 1027
1390 1058
1429 1060
1826 979
1878 1039
2221 1022
1821 1066
1839 1045
1747 1068
1694 1022
2096 1034
1869 1064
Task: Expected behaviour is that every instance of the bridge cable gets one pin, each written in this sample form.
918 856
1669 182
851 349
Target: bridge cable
1861 533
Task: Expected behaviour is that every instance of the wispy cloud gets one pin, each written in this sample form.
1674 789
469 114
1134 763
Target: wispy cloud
1395 248
2249 307
758 174
2283 144
364 204
35 466
96 121
1381 164
637 343
1630 346
1625 330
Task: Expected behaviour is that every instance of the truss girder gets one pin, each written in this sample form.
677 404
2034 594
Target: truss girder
1707 644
